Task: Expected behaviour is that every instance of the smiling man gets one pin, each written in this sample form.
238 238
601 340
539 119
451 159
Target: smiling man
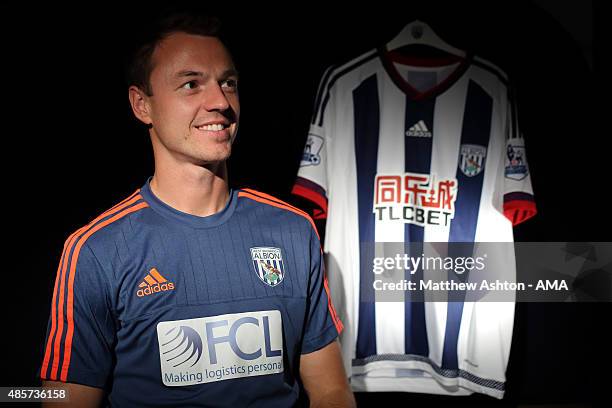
187 293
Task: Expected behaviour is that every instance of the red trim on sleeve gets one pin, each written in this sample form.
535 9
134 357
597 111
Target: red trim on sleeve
313 196
519 211
319 214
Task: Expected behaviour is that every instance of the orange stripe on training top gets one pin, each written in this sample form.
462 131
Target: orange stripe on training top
279 205
58 278
149 279
60 329
272 198
157 275
73 263
55 310
45 365
330 306
121 202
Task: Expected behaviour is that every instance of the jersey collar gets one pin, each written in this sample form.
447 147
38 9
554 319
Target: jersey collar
413 93
192 220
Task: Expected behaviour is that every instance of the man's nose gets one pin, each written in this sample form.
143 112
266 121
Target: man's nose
215 99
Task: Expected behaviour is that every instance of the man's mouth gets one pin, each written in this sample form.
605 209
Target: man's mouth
216 127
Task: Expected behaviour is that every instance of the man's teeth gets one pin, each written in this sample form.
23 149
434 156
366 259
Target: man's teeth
212 128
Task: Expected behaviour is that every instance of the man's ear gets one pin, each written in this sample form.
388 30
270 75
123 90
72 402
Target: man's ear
140 105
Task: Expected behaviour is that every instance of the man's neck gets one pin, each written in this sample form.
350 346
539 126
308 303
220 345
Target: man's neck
200 191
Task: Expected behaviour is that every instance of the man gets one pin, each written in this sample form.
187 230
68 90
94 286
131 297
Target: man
187 293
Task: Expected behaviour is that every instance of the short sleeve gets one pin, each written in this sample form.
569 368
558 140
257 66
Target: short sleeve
519 204
81 331
322 322
312 183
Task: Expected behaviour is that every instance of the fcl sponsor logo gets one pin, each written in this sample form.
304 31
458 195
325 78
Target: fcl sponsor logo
414 198
217 348
268 263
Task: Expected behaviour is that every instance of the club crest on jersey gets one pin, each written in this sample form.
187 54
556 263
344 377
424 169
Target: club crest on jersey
268 263
310 156
516 165
471 160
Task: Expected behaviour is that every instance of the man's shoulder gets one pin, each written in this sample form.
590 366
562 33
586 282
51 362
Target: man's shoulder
104 229
272 208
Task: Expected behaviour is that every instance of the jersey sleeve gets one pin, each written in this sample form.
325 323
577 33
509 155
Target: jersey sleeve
518 202
81 331
322 322
312 182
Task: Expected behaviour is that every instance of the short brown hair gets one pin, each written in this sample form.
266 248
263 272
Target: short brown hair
140 61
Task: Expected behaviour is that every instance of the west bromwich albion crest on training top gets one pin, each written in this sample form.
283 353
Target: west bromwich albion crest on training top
268 263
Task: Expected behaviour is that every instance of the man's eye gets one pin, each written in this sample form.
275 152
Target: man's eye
190 85
229 84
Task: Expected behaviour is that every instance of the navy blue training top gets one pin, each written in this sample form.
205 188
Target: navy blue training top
164 308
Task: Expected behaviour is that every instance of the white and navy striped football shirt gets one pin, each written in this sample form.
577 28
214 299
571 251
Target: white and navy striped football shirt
407 151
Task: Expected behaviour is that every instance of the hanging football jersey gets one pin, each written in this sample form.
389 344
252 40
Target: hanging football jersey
413 153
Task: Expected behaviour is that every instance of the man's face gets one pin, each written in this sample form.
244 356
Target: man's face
194 108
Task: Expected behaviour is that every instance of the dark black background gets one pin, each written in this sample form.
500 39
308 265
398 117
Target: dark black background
71 149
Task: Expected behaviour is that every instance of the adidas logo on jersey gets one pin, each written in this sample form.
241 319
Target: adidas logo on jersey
153 283
419 129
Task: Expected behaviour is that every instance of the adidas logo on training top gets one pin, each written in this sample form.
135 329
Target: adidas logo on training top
153 283
419 129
